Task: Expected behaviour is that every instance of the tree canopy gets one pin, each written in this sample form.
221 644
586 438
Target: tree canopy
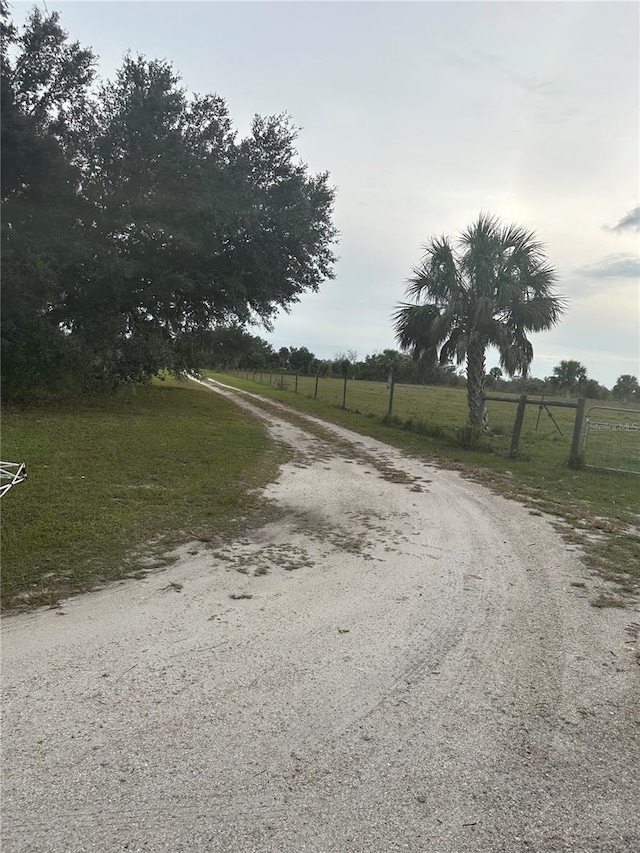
626 388
135 219
568 376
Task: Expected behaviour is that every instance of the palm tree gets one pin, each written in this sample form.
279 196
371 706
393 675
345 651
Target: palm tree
489 287
492 377
626 388
568 375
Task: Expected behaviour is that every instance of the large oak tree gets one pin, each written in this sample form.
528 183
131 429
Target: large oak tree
135 219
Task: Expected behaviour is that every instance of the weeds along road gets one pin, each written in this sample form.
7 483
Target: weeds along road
397 662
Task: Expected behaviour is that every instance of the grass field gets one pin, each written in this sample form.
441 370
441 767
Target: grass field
109 476
437 411
586 501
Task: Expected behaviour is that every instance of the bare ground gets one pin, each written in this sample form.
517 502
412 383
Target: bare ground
403 661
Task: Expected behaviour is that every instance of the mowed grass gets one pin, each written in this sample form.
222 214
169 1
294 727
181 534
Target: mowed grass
586 501
114 483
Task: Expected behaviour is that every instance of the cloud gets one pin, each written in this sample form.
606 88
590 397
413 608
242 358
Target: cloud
480 60
622 265
630 222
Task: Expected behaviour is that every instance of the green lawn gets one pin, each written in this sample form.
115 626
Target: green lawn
109 476
586 500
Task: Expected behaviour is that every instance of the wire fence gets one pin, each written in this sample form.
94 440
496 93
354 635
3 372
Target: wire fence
598 437
612 439
546 429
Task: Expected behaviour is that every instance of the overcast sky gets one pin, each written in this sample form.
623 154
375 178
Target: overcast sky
425 114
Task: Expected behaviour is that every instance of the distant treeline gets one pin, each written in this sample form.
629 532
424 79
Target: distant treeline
232 348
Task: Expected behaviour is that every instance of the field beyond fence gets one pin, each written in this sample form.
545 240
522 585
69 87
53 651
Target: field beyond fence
441 413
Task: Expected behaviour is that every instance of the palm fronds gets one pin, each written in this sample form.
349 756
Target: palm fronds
490 286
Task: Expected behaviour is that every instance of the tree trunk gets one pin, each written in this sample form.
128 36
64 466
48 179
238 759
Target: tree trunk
475 381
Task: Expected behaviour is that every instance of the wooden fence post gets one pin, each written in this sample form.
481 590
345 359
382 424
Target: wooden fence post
296 388
391 387
574 455
344 394
315 393
517 427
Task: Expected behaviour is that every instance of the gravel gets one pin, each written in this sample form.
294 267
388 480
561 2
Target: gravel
413 671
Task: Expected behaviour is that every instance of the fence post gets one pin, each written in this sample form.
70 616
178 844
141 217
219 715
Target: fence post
261 377
344 394
315 393
296 388
574 454
517 427
391 387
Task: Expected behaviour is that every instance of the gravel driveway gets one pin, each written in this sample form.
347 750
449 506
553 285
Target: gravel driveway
400 662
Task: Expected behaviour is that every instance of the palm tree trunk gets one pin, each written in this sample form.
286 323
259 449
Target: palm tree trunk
475 380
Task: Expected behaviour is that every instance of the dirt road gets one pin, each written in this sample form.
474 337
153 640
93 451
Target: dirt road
400 662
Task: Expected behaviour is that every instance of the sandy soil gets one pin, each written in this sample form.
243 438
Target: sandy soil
413 671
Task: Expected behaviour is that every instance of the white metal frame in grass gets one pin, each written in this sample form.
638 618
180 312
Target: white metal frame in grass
11 473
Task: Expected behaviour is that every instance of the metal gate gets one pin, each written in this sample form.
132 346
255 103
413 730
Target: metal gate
612 439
